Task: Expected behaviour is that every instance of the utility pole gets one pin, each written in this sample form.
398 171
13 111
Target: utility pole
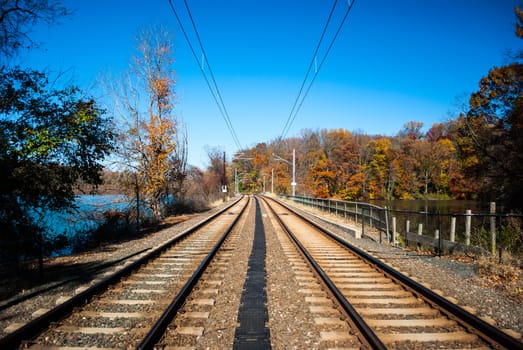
224 179
224 173
293 183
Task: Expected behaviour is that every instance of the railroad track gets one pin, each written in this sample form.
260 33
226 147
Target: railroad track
133 306
388 309
256 275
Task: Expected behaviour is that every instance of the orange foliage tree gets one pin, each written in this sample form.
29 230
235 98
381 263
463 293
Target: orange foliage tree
152 146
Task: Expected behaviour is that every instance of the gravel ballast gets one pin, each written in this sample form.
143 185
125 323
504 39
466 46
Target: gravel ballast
456 279
459 280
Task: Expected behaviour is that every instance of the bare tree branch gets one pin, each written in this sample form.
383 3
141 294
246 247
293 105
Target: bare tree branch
18 17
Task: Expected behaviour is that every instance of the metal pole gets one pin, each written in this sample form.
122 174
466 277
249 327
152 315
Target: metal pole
293 183
386 225
468 224
224 179
363 224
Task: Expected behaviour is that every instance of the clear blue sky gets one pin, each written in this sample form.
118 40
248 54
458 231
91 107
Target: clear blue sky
394 61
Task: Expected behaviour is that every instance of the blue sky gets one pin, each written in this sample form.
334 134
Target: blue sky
393 62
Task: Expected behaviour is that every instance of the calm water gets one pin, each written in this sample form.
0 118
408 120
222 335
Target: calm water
87 216
435 206
427 215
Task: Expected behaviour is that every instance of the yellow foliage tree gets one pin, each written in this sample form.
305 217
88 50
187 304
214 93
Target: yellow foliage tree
150 146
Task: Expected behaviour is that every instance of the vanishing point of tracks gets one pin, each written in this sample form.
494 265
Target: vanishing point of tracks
226 283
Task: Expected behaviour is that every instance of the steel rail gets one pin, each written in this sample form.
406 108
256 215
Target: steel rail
39 324
158 329
366 331
484 330
91 270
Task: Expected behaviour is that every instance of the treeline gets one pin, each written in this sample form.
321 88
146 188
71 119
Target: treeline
356 166
478 155
55 141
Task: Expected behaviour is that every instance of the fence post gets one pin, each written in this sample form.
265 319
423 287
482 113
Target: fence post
362 224
394 230
468 221
438 231
453 229
407 229
420 229
386 225
356 213
500 250
493 227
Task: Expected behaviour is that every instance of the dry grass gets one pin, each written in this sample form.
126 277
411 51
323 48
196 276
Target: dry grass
506 274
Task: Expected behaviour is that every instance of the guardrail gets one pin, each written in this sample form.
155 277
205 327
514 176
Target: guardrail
468 232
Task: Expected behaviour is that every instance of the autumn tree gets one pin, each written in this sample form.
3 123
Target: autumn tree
491 135
355 188
344 153
412 130
49 140
151 142
322 178
215 174
491 132
378 168
432 162
311 152
196 196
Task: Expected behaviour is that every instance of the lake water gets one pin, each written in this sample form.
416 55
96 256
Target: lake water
437 214
435 206
87 216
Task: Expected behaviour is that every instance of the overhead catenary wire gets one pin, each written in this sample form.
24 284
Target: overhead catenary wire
227 118
313 61
300 98
215 91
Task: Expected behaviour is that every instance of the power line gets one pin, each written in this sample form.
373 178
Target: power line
297 102
215 91
313 60
226 114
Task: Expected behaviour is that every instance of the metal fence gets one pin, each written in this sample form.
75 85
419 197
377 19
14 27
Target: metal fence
469 232
366 214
